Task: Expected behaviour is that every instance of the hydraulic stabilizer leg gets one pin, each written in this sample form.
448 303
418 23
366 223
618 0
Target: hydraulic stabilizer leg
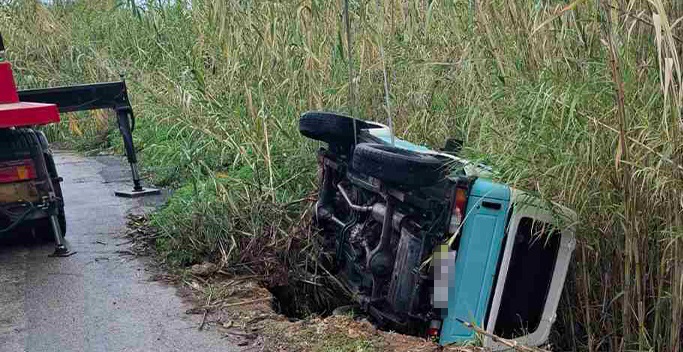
52 203
123 117
53 210
60 248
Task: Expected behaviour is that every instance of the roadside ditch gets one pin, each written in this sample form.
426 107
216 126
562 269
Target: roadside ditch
294 314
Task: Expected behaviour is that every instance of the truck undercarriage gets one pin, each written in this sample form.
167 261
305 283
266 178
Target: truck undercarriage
429 248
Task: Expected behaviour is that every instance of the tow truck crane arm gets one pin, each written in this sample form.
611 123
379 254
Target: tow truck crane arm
109 95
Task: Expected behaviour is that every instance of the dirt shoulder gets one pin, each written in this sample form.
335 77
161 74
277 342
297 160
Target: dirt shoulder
242 309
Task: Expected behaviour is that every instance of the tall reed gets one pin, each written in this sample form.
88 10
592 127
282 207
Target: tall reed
576 101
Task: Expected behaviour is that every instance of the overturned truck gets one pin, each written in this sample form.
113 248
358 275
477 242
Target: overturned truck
429 245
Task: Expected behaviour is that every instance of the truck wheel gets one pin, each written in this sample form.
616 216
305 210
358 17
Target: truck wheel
17 144
52 169
398 166
43 140
43 227
328 127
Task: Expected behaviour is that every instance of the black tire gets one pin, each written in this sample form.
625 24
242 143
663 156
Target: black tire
329 127
18 144
398 166
51 167
43 140
46 227
52 171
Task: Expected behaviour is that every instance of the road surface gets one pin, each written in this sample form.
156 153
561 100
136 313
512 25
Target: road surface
99 299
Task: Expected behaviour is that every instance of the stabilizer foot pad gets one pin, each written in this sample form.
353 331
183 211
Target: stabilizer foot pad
136 194
61 252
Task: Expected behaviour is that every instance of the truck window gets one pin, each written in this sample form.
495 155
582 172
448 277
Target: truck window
530 273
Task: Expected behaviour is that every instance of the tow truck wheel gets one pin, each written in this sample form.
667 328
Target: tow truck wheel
43 228
16 144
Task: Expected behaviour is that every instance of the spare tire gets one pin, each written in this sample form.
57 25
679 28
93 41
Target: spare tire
329 127
398 166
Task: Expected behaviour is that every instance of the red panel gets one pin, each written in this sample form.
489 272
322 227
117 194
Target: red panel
16 114
27 114
8 90
21 170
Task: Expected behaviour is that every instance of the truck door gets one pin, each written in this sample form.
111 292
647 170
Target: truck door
477 258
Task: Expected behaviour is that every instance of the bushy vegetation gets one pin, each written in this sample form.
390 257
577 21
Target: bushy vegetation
578 102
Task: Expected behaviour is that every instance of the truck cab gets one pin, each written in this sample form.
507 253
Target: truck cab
30 191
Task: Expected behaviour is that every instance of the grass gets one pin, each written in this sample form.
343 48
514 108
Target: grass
576 101
342 343
335 334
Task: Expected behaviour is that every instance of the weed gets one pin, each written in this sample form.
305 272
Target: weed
577 102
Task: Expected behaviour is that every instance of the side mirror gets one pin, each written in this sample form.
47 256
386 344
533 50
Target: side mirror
453 146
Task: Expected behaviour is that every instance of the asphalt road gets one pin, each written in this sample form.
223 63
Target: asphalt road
99 299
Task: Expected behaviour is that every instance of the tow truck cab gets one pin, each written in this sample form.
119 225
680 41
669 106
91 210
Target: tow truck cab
25 185
30 190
